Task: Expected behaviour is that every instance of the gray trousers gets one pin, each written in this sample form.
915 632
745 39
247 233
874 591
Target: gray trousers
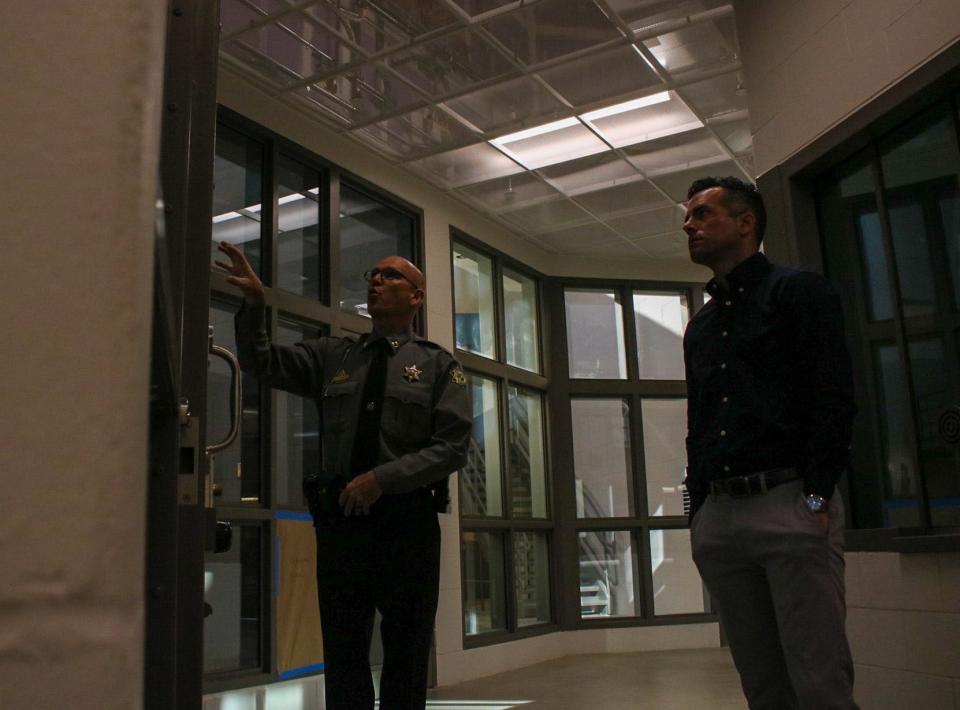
776 579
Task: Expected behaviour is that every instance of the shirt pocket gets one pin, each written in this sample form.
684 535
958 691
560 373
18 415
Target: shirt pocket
406 414
336 397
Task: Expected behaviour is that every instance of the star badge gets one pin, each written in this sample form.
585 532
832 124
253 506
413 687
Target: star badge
411 373
395 343
458 377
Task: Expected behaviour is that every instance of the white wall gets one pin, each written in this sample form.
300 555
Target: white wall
80 94
809 64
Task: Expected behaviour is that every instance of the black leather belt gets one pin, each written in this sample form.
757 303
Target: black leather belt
760 482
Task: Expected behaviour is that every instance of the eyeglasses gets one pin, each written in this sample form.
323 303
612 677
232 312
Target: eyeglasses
388 274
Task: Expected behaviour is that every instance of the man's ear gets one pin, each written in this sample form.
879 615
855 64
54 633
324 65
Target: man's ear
747 221
416 298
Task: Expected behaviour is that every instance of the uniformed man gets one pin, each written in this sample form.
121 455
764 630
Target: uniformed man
395 421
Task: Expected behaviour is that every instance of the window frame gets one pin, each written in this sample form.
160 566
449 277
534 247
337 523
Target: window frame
506 375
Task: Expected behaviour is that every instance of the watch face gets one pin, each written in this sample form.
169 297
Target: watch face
815 503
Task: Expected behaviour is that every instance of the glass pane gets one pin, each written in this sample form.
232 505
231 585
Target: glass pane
950 219
480 487
369 232
912 254
236 469
875 270
298 232
920 164
608 574
901 507
473 301
237 192
531 573
520 320
528 485
677 588
664 453
939 459
232 583
661 319
296 428
601 457
484 595
595 334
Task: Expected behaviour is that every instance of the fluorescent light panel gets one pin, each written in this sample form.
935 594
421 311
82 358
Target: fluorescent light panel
633 105
536 131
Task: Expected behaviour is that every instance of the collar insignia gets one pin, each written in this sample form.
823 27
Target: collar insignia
395 343
341 376
411 373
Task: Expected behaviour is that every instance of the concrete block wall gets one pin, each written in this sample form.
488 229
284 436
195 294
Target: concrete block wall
903 623
809 64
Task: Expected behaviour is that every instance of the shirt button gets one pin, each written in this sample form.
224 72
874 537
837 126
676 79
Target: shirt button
723 366
726 399
725 334
723 432
740 289
726 468
728 303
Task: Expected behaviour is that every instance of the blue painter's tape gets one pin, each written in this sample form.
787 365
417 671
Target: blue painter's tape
300 672
292 515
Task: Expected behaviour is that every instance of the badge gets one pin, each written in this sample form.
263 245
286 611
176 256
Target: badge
341 376
411 373
458 377
395 343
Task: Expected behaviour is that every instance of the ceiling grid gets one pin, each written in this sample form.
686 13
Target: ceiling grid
576 124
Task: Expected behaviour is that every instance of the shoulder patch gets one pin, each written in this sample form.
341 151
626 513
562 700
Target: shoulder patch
457 377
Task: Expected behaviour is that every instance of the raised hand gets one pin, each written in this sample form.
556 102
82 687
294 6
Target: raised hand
241 274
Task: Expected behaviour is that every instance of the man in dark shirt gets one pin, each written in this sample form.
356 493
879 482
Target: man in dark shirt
396 420
770 409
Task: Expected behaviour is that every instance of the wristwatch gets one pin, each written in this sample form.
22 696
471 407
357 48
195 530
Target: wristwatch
816 503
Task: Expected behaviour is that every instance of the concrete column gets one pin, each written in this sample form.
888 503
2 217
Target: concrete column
80 101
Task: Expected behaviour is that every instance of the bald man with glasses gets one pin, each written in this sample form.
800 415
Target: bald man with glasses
395 422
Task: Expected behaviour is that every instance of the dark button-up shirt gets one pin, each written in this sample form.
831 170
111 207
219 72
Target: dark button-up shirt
426 416
769 379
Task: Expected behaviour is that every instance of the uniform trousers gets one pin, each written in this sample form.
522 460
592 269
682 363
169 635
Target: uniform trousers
776 579
388 561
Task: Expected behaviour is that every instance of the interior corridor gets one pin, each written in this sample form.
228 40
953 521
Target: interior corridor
662 680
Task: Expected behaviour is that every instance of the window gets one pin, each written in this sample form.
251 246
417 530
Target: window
625 434
505 502
890 227
272 199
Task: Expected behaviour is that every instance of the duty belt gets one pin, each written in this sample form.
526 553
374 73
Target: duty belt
754 483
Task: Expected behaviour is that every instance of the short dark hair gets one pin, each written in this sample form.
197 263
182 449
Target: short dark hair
738 197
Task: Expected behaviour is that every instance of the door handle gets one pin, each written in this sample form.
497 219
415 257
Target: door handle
236 395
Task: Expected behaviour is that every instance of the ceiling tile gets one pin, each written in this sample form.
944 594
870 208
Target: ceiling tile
235 15
735 134
614 72
646 122
666 246
716 96
545 216
506 104
450 63
511 192
594 172
300 46
479 7
643 14
364 93
422 129
469 165
676 184
585 238
699 46
364 24
551 28
650 222
680 151
629 197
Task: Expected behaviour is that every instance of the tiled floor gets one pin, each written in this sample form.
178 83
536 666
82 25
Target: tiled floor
665 680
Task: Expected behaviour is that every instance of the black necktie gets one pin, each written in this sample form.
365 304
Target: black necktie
366 442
